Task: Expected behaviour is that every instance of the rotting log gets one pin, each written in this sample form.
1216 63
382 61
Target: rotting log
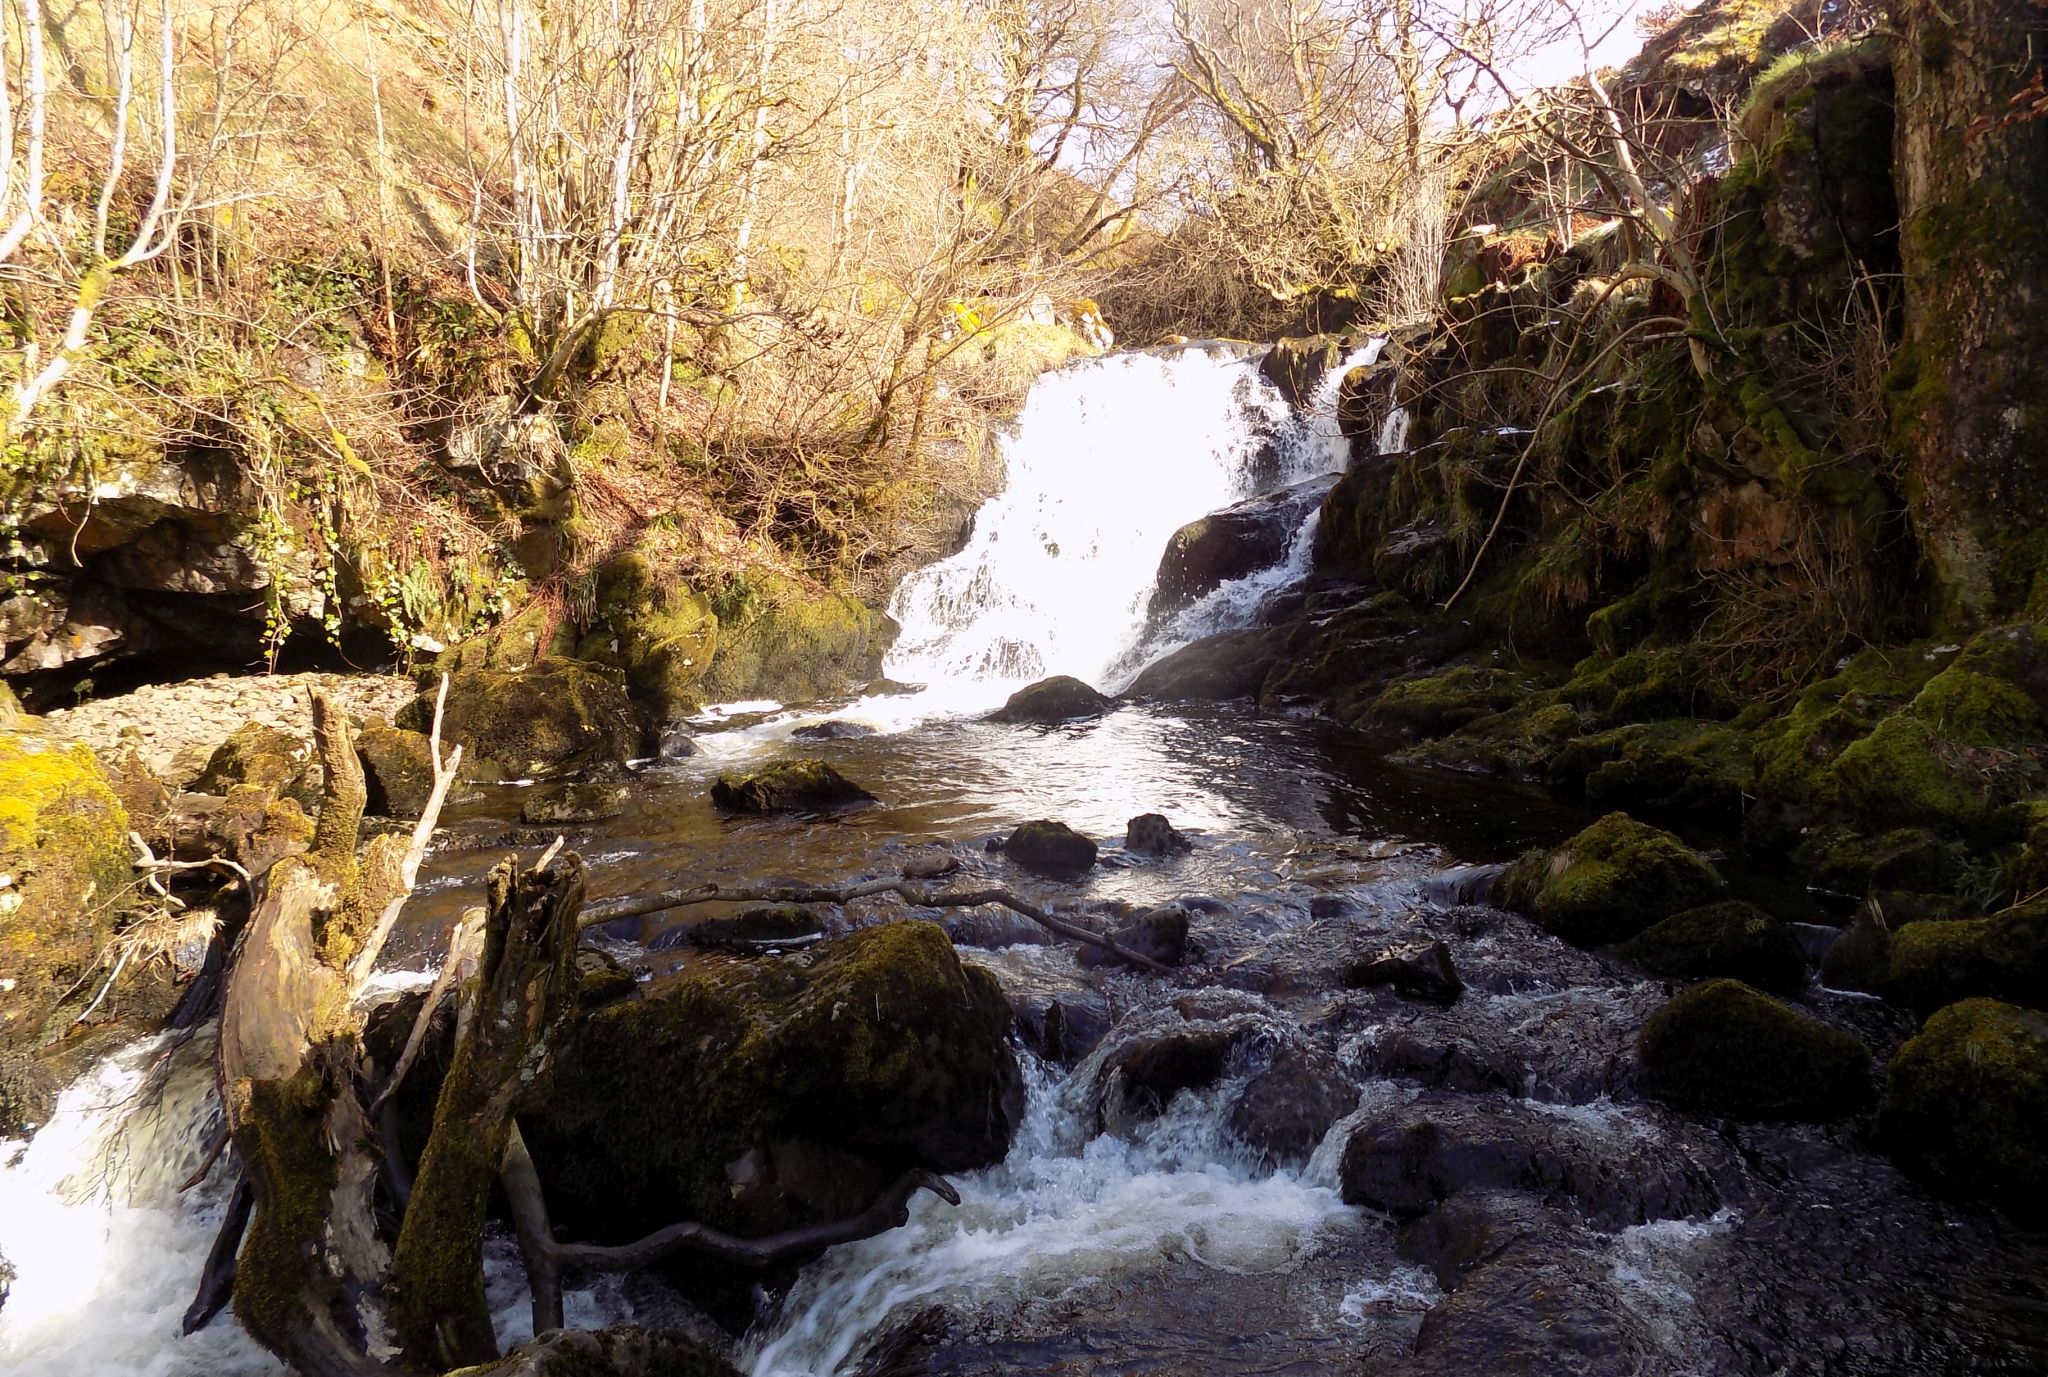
522 1000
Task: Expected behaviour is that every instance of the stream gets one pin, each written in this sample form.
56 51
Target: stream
1118 1238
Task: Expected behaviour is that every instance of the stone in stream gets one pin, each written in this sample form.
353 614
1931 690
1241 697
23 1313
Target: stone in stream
1138 1079
1609 882
1160 933
835 730
1966 1101
780 927
1230 664
1049 702
1051 848
1730 938
2004 956
1441 1144
1419 970
586 801
1284 1111
932 865
1150 834
676 743
398 769
786 787
1062 1026
1463 884
554 718
1209 552
1727 1049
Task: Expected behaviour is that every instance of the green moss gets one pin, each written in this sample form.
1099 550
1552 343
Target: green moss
1644 685
787 786
1728 1049
64 847
783 639
557 717
1905 774
282 1135
657 629
267 758
1904 857
1688 764
1964 1104
1609 882
2004 956
398 769
862 1056
1731 938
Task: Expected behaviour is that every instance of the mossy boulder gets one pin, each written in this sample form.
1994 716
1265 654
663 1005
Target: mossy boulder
519 642
1725 1048
1903 858
1860 959
2004 956
398 769
1684 764
1051 848
791 641
1731 938
1609 882
263 757
661 633
585 800
1049 702
555 718
788 786
763 1093
1966 1101
65 855
1434 704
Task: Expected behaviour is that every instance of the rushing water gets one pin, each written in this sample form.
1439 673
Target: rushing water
1158 1245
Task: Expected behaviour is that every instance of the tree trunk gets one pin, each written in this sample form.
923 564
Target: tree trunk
1970 398
523 998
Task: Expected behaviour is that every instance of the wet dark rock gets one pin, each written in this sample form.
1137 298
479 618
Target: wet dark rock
781 927
1139 1075
1532 1297
991 926
763 1094
1861 958
1150 834
2004 957
1233 664
1441 1144
787 787
1463 884
398 769
28 1094
1286 1109
1052 701
676 743
1160 933
1062 1027
615 1351
1728 1049
1609 882
1965 1104
832 731
1419 970
889 688
601 979
1446 1061
1050 848
1730 938
586 801
1239 540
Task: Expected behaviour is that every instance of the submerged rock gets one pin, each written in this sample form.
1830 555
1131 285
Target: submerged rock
1966 1104
780 927
1150 834
787 787
1419 970
1730 938
618 1351
1727 1049
764 1094
1051 848
554 718
1052 701
1139 1076
1609 882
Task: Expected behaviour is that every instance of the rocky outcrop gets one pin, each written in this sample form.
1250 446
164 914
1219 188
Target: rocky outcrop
66 863
764 1093
790 641
1253 535
1232 664
661 633
1964 1102
554 718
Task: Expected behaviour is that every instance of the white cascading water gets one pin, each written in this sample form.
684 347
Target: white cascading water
1109 458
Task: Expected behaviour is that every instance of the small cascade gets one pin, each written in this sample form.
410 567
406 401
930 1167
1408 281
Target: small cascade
1109 458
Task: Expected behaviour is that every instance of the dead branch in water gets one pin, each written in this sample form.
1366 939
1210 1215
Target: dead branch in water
915 896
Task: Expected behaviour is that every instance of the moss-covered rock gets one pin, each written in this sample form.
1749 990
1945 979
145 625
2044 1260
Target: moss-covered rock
1965 1103
519 642
1725 1048
787 786
790 641
1048 702
2004 956
1686 764
1433 704
267 758
762 1093
257 830
1903 858
65 855
398 769
1051 848
1860 959
28 1094
555 718
586 800
658 630
1730 938
1609 882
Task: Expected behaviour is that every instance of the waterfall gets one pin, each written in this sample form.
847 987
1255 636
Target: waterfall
1109 458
